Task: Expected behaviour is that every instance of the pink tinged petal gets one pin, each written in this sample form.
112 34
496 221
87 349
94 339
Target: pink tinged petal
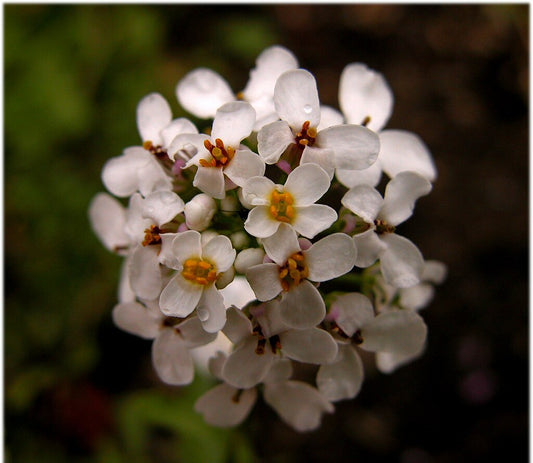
108 219
233 122
245 368
257 190
387 362
329 117
264 280
343 378
330 257
120 174
401 150
400 196
364 93
187 245
220 252
188 146
307 184
434 272
352 311
298 404
211 310
355 147
281 370
145 274
296 98
369 248
180 297
312 345
323 157
364 201
202 91
417 297
193 333
162 206
153 114
237 326
273 139
281 244
270 64
260 222
226 406
369 176
177 127
402 262
171 358
244 165
311 220
399 331
136 319
211 181
302 306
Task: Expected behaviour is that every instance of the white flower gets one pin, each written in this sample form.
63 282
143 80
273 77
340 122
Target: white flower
199 212
401 261
292 203
221 155
193 287
293 270
366 98
298 106
141 168
172 338
203 91
399 332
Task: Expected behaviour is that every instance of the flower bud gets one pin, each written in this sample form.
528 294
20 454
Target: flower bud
199 211
248 258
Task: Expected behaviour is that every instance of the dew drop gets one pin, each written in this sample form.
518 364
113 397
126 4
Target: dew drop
307 109
203 314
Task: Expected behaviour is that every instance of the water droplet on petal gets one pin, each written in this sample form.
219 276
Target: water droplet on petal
307 109
203 314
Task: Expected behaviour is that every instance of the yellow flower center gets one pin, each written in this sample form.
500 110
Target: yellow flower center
220 155
281 206
294 271
199 271
306 136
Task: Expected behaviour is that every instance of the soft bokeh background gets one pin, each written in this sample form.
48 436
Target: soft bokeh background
78 389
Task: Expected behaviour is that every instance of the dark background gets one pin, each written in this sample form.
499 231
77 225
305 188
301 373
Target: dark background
78 389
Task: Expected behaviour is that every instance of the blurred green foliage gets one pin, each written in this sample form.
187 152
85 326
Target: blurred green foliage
73 77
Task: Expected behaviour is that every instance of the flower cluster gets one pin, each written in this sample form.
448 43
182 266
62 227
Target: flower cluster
278 201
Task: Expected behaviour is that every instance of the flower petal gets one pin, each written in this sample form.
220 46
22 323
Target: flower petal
355 147
302 306
311 220
400 196
281 370
225 405
108 219
398 331
211 309
323 157
202 91
329 117
244 165
120 174
233 122
177 127
193 333
298 404
171 358
273 139
145 273
260 223
434 271
369 248
364 201
281 244
153 114
264 280
402 262
312 345
364 93
245 368
387 362
307 184
237 326
352 311
369 176
343 378
331 257
296 98
401 150
187 245
162 206
188 146
220 251
180 297
211 181
416 297
136 319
